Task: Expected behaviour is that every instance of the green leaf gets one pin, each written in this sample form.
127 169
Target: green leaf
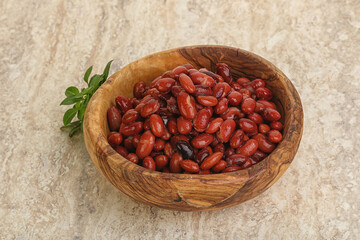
106 70
70 91
95 80
74 130
71 100
71 125
87 74
69 115
81 112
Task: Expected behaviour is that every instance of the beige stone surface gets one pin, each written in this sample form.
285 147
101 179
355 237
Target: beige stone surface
49 188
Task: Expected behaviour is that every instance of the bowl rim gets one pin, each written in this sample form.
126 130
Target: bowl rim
115 159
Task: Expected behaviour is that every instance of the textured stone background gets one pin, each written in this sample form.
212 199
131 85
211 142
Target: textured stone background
49 188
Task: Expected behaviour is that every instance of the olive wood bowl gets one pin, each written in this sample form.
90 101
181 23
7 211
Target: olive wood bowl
193 192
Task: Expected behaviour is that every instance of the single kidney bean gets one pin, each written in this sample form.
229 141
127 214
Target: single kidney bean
220 147
234 98
209 149
274 136
114 118
249 148
201 120
168 150
258 83
186 105
218 90
232 113
276 126
201 155
237 138
128 144
236 159
250 88
165 84
246 164
132 158
248 105
262 104
167 74
208 101
226 130
131 129
157 125
271 114
222 106
255 117
201 90
224 71
136 140
187 83
166 136
211 160
264 144
204 172
214 125
175 160
149 163
139 89
188 66
130 116
202 140
115 139
161 161
242 80
145 145
175 90
122 151
231 169
123 103
247 125
150 107
221 165
229 151
263 93
172 126
259 155
189 166
179 70
184 125
214 76
236 86
159 144
264 128
201 78
185 149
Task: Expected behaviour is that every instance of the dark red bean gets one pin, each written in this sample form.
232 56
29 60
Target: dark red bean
264 128
214 125
258 83
172 126
145 145
184 125
247 164
218 90
274 136
115 139
271 114
226 130
264 144
259 155
221 165
202 140
245 92
187 83
256 118
237 138
276 126
172 106
149 163
165 84
201 90
229 151
136 140
186 105
232 113
122 151
231 169
263 93
139 89
248 105
247 125
189 166
175 90
236 159
128 144
222 106
130 116
211 160
208 101
224 71
161 161
150 107
185 149
201 155
168 150
114 118
179 70
174 165
235 98
159 144
220 147
157 125
132 158
249 148
123 103
201 120
242 80
131 129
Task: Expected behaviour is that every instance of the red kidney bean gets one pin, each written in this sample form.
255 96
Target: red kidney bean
271 114
237 138
208 101
165 84
258 83
185 149
247 125
188 66
186 105
114 118
168 150
234 98
276 126
123 103
236 86
220 147
184 125
245 92
122 151
139 89
263 93
161 161
274 136
214 125
157 125
212 75
189 166
175 90
147 124
187 83
132 158
211 160
248 105
236 159
159 144
249 148
259 155
264 144
229 151
167 74
231 169
201 90
222 106
145 145
221 165
218 90
130 116
174 165
232 113
179 70
201 120
253 160
166 136
136 140
172 126
150 107
204 172
128 144
172 106
201 155
202 140
246 164
264 128
262 104
131 129
242 80
115 139
149 163
256 118
226 130
224 71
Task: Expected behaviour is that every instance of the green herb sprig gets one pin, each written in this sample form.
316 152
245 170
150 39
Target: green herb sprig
81 99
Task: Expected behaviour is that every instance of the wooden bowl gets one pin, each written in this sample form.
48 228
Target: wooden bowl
192 192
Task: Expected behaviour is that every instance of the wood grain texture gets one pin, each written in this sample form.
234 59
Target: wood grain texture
182 191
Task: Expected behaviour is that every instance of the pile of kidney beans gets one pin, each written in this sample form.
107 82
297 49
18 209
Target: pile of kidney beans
195 121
